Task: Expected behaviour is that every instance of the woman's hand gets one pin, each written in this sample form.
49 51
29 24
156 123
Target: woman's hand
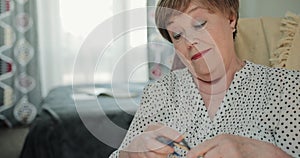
231 146
146 145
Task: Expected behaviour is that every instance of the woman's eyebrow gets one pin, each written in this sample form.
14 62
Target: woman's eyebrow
169 23
190 11
196 8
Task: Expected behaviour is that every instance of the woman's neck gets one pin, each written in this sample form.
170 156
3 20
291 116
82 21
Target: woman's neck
220 85
213 92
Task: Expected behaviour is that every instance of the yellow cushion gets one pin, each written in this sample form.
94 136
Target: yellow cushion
256 37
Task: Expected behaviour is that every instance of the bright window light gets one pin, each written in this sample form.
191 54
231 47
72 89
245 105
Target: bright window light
79 17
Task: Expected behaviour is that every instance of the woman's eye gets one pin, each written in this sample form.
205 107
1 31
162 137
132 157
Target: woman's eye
176 36
200 24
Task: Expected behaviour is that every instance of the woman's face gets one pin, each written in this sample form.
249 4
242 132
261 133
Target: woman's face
204 41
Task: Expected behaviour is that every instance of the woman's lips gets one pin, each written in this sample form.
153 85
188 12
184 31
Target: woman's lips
200 54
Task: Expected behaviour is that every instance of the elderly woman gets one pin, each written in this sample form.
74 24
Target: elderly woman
219 105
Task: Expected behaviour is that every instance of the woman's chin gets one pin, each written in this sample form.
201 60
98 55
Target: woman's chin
206 77
203 77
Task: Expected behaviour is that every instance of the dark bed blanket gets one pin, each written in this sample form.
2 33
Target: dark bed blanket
58 131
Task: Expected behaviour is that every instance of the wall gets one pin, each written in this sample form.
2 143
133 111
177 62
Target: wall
257 8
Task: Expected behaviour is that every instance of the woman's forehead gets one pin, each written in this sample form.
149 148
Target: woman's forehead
187 15
189 6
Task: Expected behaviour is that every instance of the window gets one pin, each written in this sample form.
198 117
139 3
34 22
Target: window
62 34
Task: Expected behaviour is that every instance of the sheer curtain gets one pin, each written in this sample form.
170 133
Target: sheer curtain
63 27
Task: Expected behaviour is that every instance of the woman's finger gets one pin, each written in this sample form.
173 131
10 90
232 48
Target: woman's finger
203 148
212 153
161 130
126 154
158 147
147 145
155 155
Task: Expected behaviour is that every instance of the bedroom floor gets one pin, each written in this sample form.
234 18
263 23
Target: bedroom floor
11 142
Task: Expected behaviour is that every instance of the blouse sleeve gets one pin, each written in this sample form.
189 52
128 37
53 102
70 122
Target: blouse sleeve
151 104
287 129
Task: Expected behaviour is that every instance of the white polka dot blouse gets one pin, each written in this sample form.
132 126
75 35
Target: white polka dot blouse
261 103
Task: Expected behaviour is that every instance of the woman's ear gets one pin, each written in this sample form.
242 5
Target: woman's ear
232 22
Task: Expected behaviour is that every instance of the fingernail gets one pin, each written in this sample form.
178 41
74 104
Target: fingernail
176 154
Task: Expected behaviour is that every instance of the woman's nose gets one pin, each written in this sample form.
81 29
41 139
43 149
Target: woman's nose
191 43
190 38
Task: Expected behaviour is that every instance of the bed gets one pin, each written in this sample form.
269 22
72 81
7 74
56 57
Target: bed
62 131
